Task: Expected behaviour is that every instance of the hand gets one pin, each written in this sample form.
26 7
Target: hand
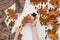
32 20
33 23
18 30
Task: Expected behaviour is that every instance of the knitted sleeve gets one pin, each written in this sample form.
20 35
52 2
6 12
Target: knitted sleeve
4 32
2 16
20 5
4 4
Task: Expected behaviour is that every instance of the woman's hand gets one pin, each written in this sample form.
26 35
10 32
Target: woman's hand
32 20
33 23
18 30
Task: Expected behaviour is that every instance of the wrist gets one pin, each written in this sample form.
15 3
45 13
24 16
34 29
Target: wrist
16 34
34 27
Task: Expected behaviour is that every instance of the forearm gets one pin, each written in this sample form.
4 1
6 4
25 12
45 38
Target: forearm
35 34
16 37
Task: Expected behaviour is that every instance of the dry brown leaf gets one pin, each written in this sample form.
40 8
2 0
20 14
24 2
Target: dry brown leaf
35 2
52 34
55 27
24 21
56 3
11 23
55 13
50 18
46 8
44 1
12 14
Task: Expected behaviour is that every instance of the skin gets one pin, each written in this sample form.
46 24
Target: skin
32 21
18 30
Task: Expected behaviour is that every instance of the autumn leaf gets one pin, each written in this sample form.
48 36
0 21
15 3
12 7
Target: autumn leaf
12 14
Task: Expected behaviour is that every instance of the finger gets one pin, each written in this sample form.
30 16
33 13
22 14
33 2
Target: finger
29 14
21 27
17 28
31 17
35 21
35 18
29 21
